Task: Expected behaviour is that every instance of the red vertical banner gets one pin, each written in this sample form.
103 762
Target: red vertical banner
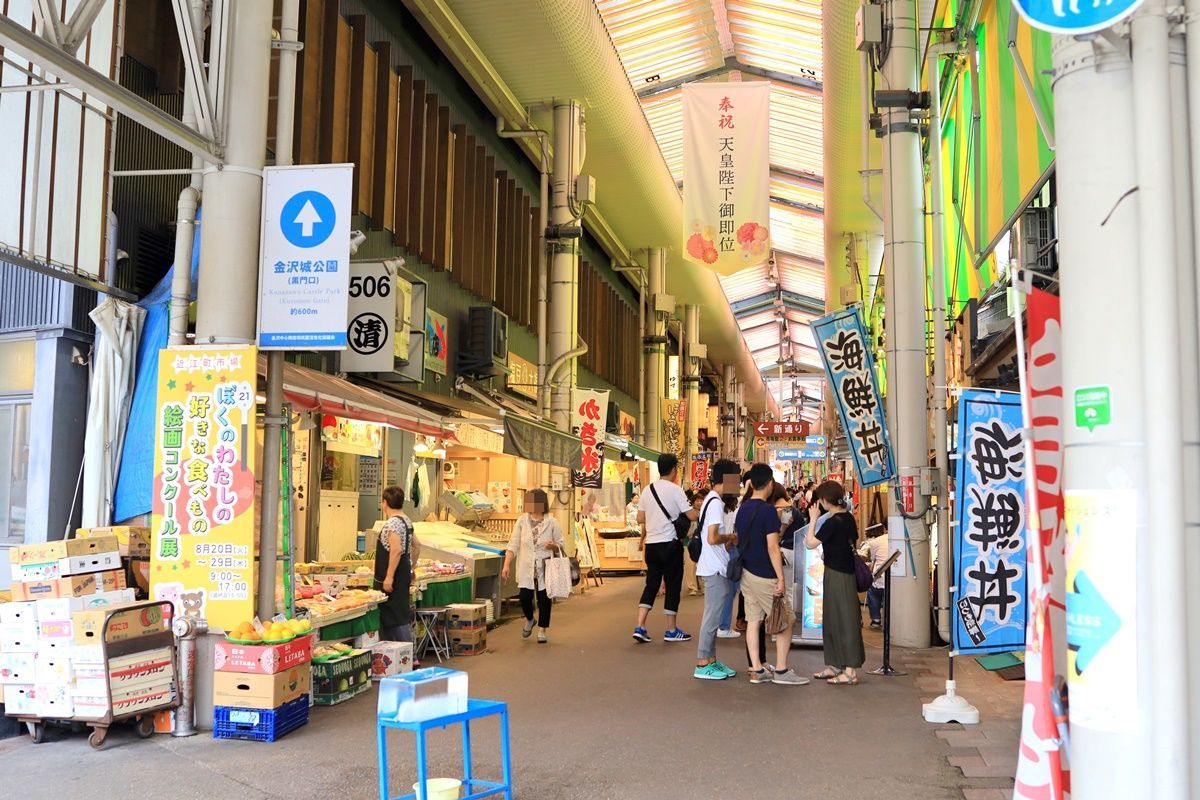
1042 770
589 413
699 475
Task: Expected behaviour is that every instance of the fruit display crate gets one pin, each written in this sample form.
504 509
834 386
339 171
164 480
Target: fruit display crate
259 725
341 697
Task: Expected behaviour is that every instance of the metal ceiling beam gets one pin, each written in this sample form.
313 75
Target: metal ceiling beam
798 371
811 178
80 24
758 302
16 38
731 65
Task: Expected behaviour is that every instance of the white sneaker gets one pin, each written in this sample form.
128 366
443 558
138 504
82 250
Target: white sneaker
726 633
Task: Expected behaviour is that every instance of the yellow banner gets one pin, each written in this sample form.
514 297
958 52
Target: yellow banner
673 434
523 376
203 517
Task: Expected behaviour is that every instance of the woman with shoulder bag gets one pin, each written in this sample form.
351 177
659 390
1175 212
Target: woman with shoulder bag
834 529
535 538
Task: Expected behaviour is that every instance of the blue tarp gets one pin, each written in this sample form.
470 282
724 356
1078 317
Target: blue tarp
135 477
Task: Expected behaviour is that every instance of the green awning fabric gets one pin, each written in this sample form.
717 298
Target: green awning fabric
644 453
541 443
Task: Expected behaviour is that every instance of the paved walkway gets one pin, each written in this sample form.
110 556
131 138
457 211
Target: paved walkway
596 716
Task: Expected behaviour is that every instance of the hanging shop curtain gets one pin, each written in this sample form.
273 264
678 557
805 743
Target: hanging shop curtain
545 445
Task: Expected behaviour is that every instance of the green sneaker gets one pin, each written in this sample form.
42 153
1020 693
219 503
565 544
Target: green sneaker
709 672
729 673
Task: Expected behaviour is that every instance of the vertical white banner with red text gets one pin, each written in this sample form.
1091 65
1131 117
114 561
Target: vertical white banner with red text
726 174
589 414
1042 770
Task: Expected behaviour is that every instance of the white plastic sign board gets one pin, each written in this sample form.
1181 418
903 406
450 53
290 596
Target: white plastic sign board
304 273
371 320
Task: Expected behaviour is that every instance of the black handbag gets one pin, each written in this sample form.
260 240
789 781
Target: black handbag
681 523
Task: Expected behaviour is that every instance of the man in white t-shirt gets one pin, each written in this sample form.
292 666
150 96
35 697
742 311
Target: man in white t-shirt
716 538
662 502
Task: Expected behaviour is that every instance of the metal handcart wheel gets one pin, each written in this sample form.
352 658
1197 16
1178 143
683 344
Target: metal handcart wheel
99 734
145 727
37 731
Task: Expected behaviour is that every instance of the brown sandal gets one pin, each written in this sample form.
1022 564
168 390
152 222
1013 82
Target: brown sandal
842 679
826 674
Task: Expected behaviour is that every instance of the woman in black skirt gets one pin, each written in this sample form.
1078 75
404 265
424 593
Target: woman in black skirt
834 528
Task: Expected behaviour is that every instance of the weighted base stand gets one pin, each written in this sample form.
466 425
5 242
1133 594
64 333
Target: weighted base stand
950 708
887 669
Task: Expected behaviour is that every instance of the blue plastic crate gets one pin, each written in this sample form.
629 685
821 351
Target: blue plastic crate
259 725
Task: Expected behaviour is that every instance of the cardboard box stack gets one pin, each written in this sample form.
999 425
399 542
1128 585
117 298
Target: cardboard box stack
52 666
468 628
66 568
261 691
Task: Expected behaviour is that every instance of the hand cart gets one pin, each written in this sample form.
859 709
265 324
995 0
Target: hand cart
143 654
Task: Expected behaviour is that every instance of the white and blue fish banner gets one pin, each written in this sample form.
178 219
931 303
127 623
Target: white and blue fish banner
850 368
989 570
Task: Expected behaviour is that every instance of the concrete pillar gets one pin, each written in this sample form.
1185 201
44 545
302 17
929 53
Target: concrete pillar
727 416
656 334
1098 241
564 263
227 298
904 255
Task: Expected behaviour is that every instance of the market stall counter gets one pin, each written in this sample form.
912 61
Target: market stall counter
618 547
481 559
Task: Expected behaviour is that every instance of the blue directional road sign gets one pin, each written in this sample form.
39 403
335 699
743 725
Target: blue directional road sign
1075 16
307 219
802 454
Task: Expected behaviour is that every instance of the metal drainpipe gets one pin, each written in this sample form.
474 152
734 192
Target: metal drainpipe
543 213
691 367
641 358
941 454
1163 579
564 266
185 214
275 418
229 240
864 68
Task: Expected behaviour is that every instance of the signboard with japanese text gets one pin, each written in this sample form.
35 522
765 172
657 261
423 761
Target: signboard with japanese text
305 261
726 174
371 320
627 425
673 422
535 442
672 377
850 369
351 435
802 454
782 430
989 552
477 438
1042 768
437 342
522 377
589 411
1075 18
202 555
699 473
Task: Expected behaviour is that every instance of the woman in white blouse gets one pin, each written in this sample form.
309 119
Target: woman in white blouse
535 538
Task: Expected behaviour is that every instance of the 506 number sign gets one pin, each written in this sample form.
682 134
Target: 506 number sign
371 319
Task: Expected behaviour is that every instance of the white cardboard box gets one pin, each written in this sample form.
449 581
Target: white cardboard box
18 699
20 637
65 567
53 700
16 668
89 706
52 667
391 658
58 646
17 613
87 654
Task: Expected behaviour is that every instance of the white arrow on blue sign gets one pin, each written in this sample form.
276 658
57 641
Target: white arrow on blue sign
304 273
1075 16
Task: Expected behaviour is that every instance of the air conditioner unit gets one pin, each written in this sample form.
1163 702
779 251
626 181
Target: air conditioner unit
484 350
613 423
1031 241
449 469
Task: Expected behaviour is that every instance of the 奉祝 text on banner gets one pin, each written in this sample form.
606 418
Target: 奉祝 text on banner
589 414
304 274
989 599
202 556
726 174
850 368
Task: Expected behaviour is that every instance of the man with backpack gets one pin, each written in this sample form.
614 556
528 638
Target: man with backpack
711 566
665 516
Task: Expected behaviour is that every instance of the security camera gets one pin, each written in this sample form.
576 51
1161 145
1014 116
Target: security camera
356 241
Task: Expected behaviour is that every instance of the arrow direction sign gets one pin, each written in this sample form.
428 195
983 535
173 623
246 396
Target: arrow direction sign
1091 622
307 217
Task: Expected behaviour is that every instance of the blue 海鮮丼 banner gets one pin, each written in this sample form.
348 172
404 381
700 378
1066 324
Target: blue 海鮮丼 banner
850 368
989 569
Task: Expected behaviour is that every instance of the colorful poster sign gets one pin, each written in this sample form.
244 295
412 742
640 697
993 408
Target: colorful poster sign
726 174
1042 771
589 411
437 348
989 597
1102 652
628 425
372 319
808 572
699 473
351 435
202 556
850 368
1071 18
522 376
673 422
305 263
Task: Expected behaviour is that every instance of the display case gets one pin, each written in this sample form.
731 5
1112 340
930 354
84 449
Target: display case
483 559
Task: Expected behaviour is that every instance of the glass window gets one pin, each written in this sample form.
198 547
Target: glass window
14 468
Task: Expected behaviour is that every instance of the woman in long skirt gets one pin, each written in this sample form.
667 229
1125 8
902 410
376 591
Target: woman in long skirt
834 528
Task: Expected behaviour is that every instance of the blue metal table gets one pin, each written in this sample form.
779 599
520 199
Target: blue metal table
476 709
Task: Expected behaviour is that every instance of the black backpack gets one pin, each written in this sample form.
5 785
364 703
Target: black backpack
696 543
